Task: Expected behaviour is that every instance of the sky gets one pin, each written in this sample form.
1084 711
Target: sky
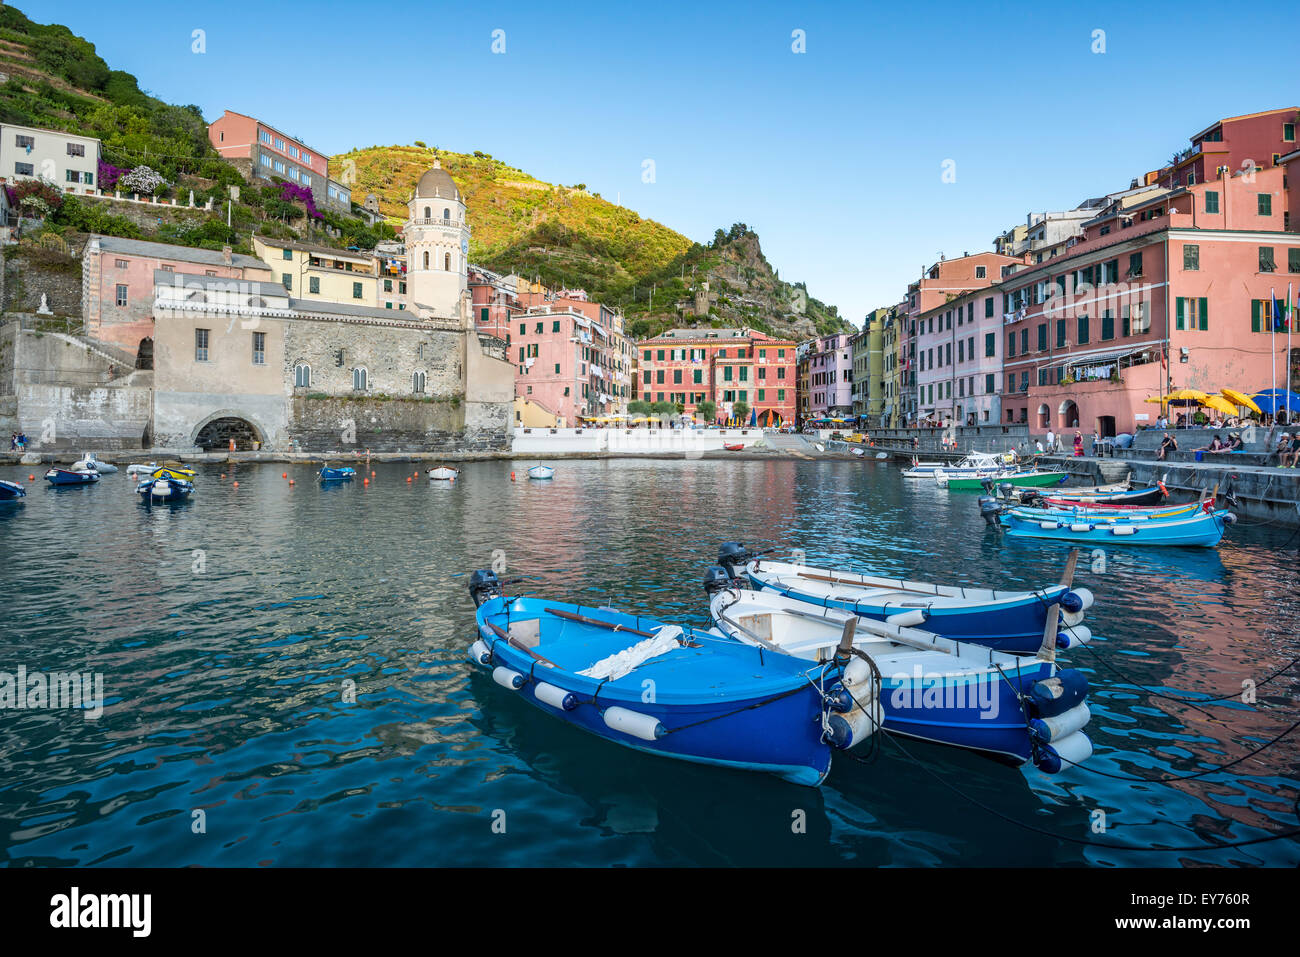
899 134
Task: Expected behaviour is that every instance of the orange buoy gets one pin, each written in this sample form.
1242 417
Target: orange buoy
290 481
31 478
365 481
372 473
408 480
512 476
284 475
236 485
223 474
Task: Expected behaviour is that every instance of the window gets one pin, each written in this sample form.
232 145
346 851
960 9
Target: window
264 137
446 213
988 382
1293 259
446 261
301 375
24 142
1211 201
259 348
1265 204
426 264
287 254
356 290
359 379
981 272
990 343
1190 314
1288 132
1042 337
121 294
417 382
1060 333
201 345
313 284
1191 257
287 280
1266 263
24 169
1261 315
1135 264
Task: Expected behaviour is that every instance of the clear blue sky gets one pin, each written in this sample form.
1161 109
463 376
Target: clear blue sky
834 156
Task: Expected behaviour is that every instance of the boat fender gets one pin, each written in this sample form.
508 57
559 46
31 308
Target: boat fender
1123 530
1048 525
643 726
1077 599
1080 527
840 700
480 653
507 678
556 697
1060 693
908 619
843 731
1229 518
1075 635
1070 750
1062 726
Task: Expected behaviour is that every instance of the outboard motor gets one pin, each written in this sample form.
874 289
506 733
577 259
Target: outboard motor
716 579
732 556
990 510
483 585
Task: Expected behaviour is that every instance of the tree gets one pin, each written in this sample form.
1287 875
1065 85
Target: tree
707 410
638 407
142 180
740 410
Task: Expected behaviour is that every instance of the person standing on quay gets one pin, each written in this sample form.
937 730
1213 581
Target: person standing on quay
1051 441
1078 444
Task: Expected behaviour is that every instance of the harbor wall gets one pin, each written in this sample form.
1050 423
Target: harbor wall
629 441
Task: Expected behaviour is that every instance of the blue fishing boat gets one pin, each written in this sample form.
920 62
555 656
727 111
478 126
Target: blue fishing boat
1016 708
165 490
1201 528
345 474
1010 621
541 472
10 491
677 692
57 476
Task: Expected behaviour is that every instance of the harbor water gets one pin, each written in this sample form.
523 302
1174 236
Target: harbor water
285 680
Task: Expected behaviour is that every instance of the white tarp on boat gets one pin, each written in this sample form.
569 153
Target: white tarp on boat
622 663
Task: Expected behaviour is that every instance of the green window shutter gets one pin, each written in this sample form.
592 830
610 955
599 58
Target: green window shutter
1204 310
1181 305
1254 315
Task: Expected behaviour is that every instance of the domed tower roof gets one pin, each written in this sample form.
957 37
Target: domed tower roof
437 184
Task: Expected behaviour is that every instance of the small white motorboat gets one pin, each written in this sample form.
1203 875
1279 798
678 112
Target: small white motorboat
541 472
138 469
443 473
89 461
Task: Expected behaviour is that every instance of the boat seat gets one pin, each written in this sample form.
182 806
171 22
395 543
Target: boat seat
528 632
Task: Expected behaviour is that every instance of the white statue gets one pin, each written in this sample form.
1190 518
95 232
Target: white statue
44 308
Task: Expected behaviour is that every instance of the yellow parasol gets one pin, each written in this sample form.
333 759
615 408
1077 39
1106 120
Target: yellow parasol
1181 397
1220 404
1240 398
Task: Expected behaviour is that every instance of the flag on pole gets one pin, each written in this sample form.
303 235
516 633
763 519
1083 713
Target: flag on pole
1280 319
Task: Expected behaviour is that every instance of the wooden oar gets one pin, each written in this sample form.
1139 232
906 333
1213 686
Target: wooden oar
862 584
1047 650
515 643
583 619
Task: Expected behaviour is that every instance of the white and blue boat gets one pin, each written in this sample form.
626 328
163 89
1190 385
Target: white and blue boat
1016 708
1200 528
676 692
1010 621
974 464
10 491
541 472
344 474
164 489
58 476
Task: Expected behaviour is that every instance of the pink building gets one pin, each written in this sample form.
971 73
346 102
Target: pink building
829 375
722 366
493 302
1232 145
959 364
942 282
1168 292
118 282
271 153
560 357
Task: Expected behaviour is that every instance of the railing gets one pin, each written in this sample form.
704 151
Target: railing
441 222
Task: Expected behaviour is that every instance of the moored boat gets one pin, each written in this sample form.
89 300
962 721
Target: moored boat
1010 621
541 472
10 491
142 469
972 464
677 692
1104 514
344 474
734 446
89 461
174 470
1018 708
58 476
1029 479
1200 528
443 473
164 489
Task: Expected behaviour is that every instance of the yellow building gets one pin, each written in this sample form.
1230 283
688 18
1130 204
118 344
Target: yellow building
321 274
533 415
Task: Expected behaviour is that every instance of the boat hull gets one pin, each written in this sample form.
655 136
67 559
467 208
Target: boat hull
721 703
69 477
1014 623
442 474
541 472
1022 480
9 491
1204 530
337 475
164 490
